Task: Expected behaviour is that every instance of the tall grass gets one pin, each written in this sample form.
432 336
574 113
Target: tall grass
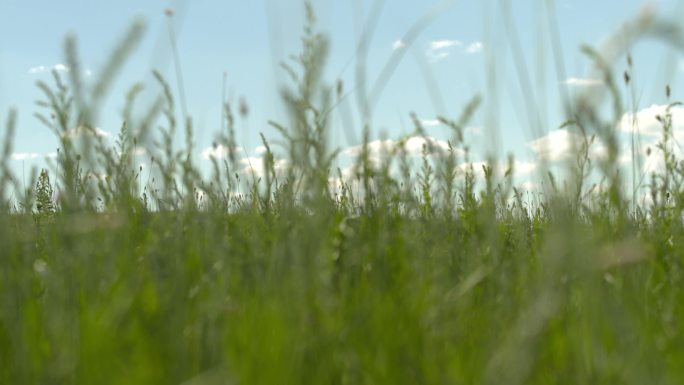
299 274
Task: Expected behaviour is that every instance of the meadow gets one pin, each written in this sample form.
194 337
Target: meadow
399 274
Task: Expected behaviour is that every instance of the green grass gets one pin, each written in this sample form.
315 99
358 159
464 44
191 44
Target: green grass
434 276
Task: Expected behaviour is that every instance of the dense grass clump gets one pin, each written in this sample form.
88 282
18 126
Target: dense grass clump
296 274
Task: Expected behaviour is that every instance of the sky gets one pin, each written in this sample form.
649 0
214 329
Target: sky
499 49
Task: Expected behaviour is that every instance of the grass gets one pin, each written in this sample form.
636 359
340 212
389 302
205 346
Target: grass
398 275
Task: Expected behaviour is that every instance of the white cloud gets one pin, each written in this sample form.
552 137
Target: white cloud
646 122
42 69
561 145
529 186
60 67
475 130
441 49
99 176
474 47
57 67
376 149
523 168
555 146
381 151
430 123
335 183
139 151
260 150
415 144
655 163
218 152
398 44
499 169
254 165
442 44
85 131
583 82
136 151
412 146
437 56
32 155
24 155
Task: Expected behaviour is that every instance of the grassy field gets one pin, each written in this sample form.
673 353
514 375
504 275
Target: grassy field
397 275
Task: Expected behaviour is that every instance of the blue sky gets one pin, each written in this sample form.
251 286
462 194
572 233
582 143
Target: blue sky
449 61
